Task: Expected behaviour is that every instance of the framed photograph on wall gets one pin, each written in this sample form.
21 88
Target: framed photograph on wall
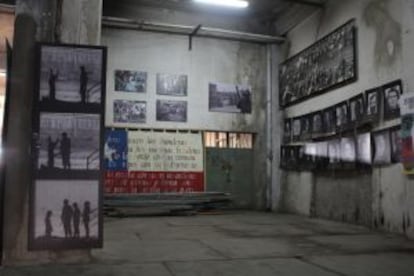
66 216
283 157
296 129
348 152
71 76
130 81
357 109
68 145
395 139
392 93
334 154
171 85
229 98
373 104
171 111
382 147
292 157
364 149
127 111
329 121
329 63
342 116
306 127
287 131
317 124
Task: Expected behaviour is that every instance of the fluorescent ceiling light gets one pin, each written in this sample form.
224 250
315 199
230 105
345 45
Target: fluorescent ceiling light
227 3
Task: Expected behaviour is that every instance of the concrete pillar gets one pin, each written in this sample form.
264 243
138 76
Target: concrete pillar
75 22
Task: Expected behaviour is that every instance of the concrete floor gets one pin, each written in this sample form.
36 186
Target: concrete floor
242 243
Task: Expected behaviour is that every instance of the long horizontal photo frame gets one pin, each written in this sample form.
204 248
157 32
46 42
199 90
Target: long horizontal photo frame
320 67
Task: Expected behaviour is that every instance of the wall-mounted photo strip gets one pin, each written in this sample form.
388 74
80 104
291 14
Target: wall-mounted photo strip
392 93
334 154
395 136
127 111
364 150
130 81
287 133
348 152
373 106
171 111
68 145
230 98
66 215
296 129
342 116
317 124
305 127
382 148
71 76
116 150
357 109
329 121
171 85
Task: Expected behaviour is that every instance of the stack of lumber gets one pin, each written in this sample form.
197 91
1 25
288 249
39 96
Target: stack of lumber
127 205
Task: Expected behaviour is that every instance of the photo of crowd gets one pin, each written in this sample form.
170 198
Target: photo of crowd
328 63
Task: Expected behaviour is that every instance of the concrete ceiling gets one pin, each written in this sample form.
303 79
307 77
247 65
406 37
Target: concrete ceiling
276 16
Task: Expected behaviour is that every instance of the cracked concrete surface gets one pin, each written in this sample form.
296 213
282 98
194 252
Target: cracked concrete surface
238 243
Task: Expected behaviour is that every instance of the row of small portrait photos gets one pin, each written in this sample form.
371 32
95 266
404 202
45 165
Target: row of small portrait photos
364 150
361 109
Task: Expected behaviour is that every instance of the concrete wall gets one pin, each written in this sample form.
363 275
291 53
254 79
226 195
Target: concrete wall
385 43
210 60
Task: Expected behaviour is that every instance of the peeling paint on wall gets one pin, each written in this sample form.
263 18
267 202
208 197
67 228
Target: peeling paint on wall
388 33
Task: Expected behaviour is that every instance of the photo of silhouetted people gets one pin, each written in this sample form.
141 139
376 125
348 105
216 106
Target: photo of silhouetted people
65 151
66 214
71 75
48 224
52 84
68 142
66 217
86 213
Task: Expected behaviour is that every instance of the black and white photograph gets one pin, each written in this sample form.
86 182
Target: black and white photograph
310 156
382 148
373 106
287 134
68 143
171 111
317 124
322 154
283 157
130 81
348 151
329 120
364 149
292 157
392 93
334 152
306 127
232 98
296 129
395 136
66 215
357 109
71 75
325 65
342 116
127 111
171 85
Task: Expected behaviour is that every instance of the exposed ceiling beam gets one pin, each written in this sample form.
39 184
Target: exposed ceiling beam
307 3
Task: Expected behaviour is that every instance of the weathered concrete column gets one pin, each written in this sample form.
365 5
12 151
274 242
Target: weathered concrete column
69 21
